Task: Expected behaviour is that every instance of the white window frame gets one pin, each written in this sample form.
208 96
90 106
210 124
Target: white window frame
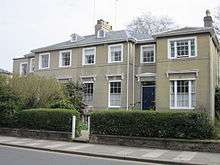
179 39
31 65
141 54
60 59
98 33
90 82
20 69
109 53
83 55
40 61
175 93
109 93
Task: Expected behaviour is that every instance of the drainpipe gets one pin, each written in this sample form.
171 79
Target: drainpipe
128 58
133 73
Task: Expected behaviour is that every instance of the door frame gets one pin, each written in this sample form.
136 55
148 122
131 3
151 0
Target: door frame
142 86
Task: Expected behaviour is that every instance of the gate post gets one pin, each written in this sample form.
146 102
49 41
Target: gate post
73 127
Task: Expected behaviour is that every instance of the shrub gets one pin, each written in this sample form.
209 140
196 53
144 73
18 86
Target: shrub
217 102
63 104
36 91
48 119
74 92
9 103
152 124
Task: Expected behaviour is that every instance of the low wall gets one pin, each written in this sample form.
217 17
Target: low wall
159 143
37 134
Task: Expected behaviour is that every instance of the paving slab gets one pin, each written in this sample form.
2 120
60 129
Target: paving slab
116 152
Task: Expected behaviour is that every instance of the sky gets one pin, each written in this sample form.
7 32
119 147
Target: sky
30 24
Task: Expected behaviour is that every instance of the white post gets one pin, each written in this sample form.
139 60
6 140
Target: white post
73 127
89 124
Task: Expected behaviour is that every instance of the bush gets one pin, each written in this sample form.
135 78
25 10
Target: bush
63 104
217 102
36 91
74 92
48 119
9 103
152 124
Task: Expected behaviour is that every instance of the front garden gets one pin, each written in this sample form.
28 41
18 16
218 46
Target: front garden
40 103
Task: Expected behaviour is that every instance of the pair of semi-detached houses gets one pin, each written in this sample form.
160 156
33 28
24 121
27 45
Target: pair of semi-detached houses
174 70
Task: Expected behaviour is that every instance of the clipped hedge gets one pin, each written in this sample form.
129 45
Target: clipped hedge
152 124
48 119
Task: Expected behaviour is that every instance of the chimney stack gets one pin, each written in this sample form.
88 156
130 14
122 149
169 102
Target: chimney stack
101 24
208 22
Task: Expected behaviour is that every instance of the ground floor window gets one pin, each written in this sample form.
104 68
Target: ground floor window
115 94
88 92
182 94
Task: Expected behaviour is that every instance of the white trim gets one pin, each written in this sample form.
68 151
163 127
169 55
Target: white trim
141 53
195 71
109 53
109 88
40 61
20 69
60 59
93 77
31 65
179 39
83 55
176 79
114 75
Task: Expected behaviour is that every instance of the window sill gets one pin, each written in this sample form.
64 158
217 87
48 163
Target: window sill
187 108
114 106
68 66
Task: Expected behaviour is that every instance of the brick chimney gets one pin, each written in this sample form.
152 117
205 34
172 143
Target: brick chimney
208 22
101 24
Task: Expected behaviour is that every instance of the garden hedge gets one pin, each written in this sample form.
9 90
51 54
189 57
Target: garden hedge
48 119
152 124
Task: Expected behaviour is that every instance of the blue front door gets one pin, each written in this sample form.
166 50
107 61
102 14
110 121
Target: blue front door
148 97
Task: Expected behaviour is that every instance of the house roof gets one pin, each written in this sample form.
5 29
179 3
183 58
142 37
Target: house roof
184 30
2 71
111 37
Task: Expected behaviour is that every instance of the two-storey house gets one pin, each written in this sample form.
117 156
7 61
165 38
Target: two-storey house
173 70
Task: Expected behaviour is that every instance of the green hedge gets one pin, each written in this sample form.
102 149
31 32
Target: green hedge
152 124
48 119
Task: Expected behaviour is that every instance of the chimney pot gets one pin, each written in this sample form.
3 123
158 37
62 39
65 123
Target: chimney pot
208 22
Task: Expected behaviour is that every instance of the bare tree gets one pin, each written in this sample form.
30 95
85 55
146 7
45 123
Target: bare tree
217 21
149 24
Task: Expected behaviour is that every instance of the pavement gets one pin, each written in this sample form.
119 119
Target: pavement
115 152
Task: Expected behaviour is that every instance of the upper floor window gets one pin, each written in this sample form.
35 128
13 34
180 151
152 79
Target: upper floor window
44 61
89 56
115 53
101 33
32 60
23 68
65 58
147 54
182 47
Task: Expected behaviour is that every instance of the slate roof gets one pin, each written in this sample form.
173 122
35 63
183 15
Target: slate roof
2 71
111 37
184 31
122 36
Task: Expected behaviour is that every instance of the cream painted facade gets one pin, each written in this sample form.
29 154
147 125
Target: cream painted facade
136 77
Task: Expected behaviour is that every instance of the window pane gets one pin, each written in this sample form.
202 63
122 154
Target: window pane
172 96
89 56
115 93
24 69
192 47
88 92
172 46
148 54
65 58
45 61
182 48
116 53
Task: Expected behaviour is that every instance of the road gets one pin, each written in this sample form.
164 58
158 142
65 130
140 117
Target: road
19 156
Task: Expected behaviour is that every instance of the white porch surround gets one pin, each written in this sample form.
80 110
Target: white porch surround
145 75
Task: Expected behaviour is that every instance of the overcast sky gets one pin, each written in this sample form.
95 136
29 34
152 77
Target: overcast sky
29 24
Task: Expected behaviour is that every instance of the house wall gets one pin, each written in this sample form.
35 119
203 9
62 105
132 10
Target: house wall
201 63
100 70
17 62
